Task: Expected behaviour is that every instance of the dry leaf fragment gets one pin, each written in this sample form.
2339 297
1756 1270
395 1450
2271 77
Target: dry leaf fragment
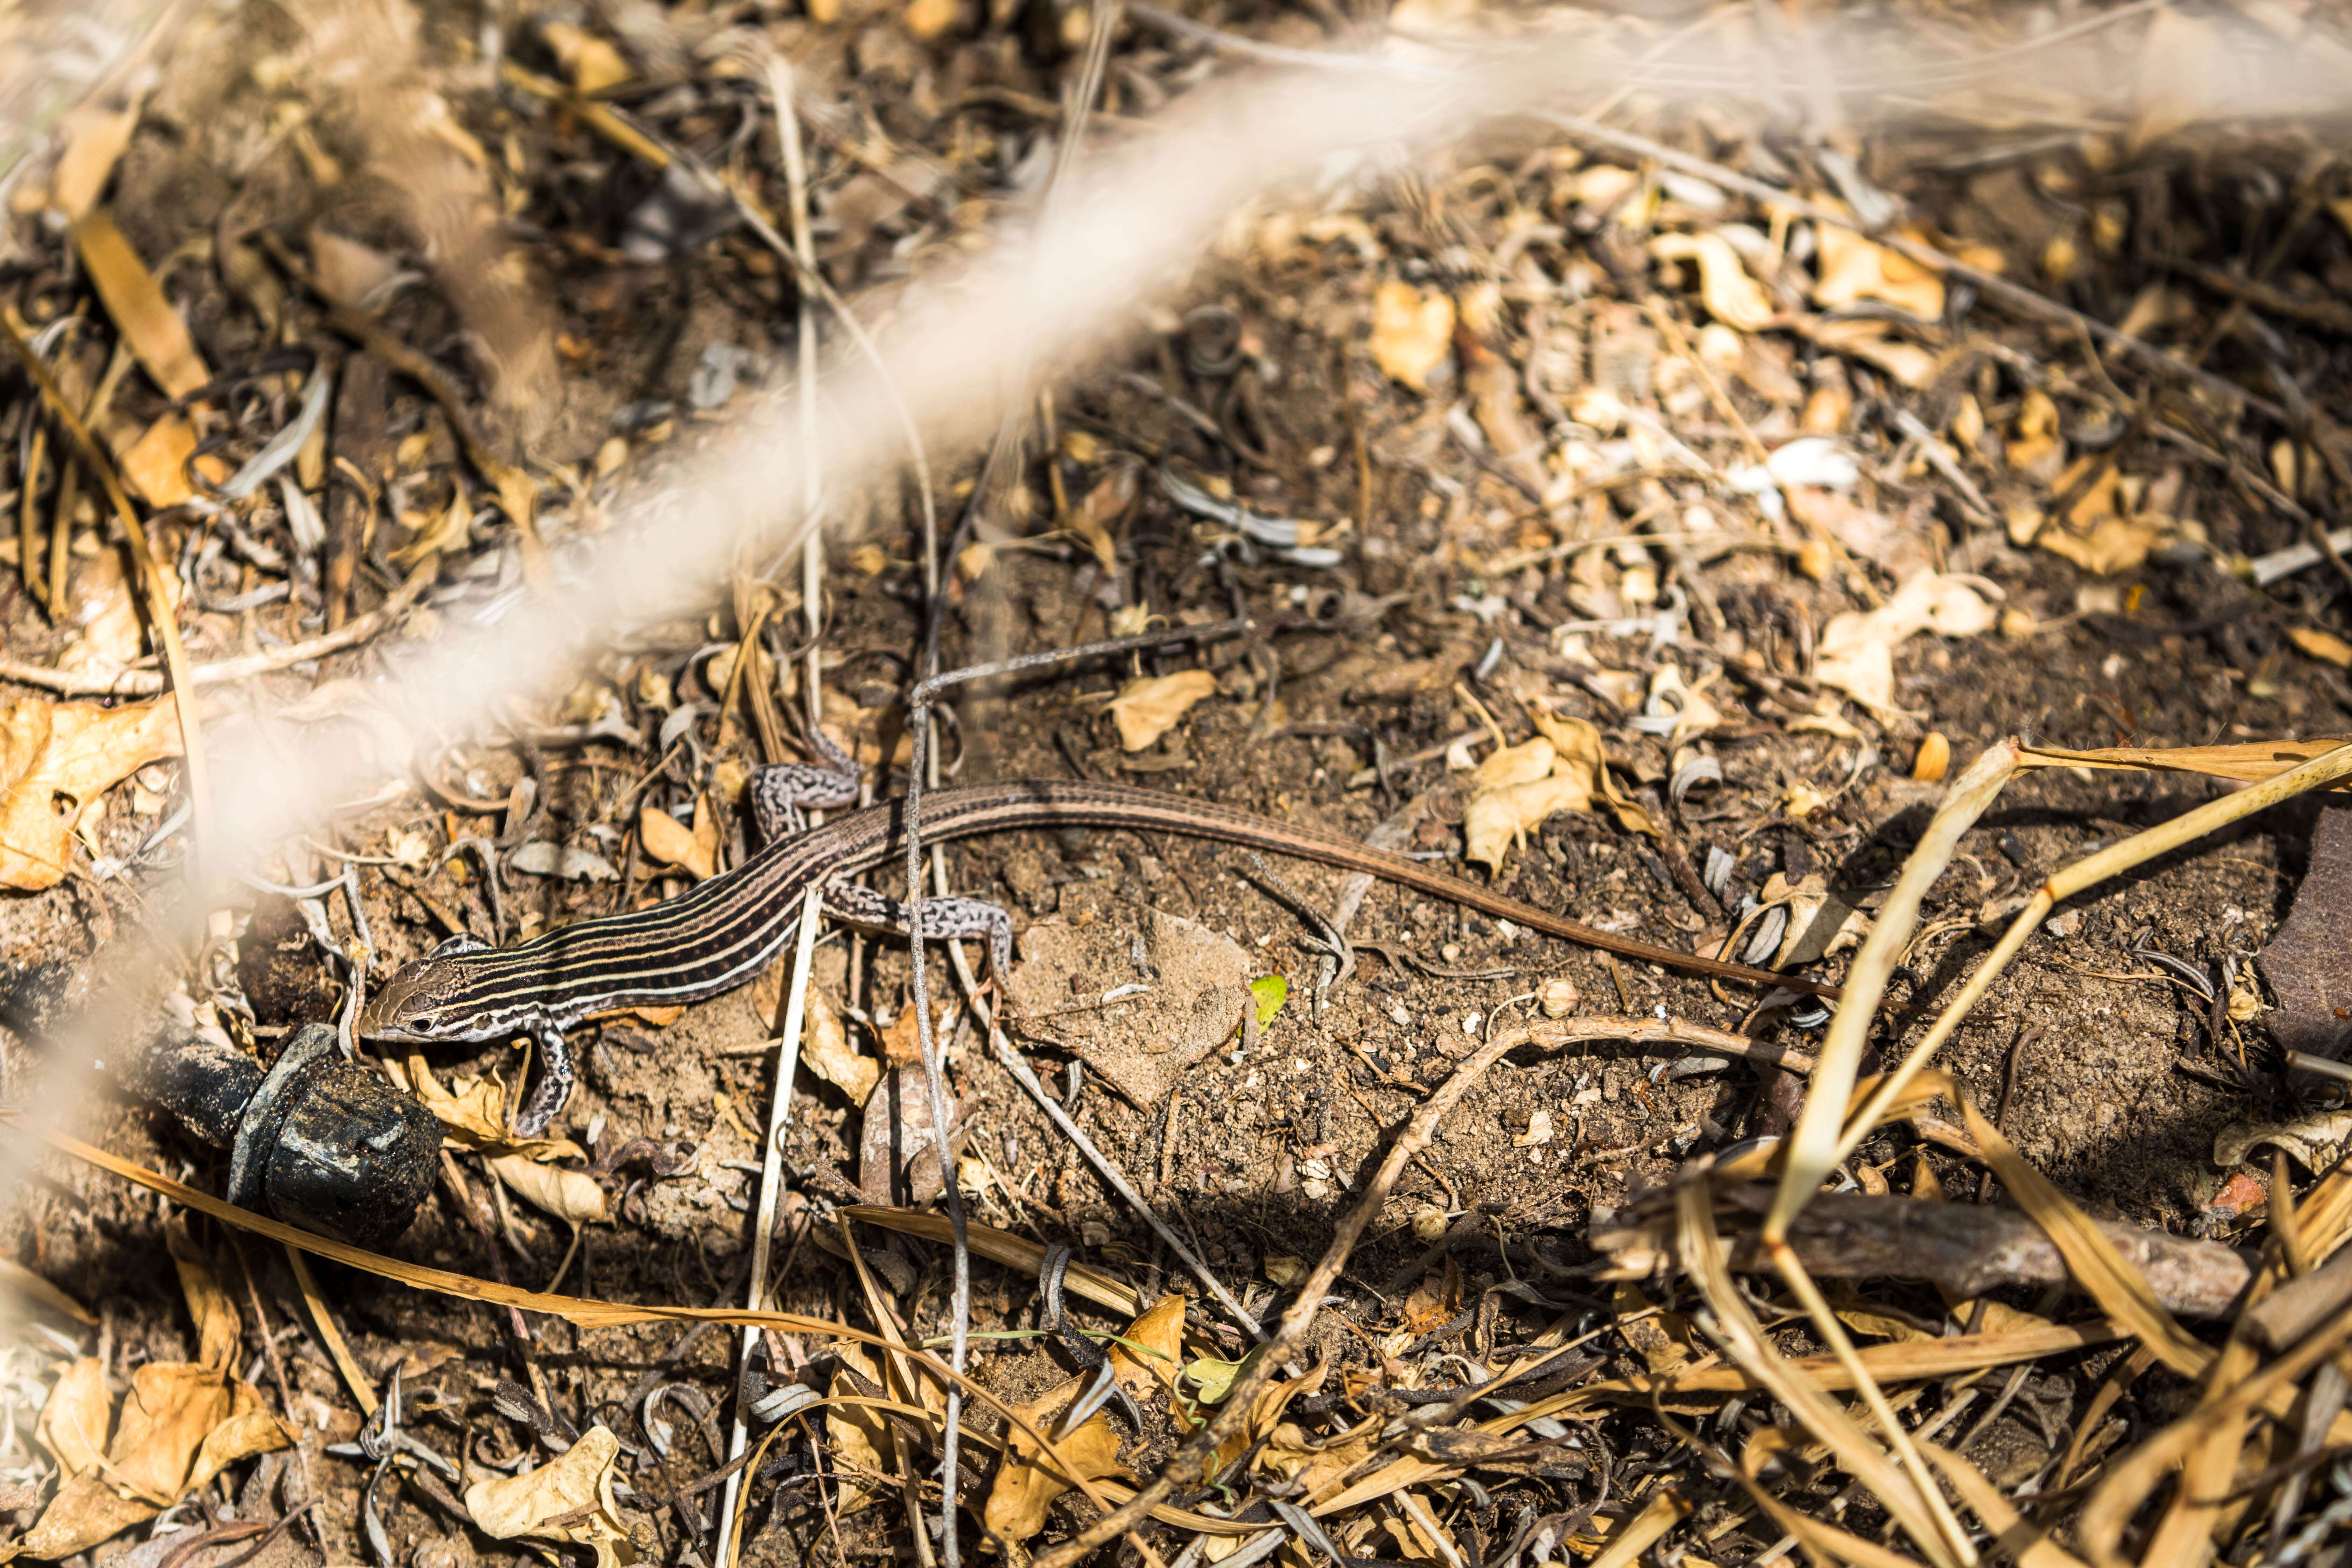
1730 295
134 298
1149 708
77 1419
671 842
1029 1482
95 140
475 1115
1412 332
1857 650
593 64
57 759
576 1489
828 1053
2322 646
1854 268
1499 818
572 1196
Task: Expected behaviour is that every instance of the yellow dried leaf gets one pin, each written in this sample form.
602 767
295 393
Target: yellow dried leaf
576 1489
475 1115
826 1049
154 467
572 1195
217 1326
1579 748
2322 645
453 530
56 758
1149 708
134 298
673 843
1853 269
77 1419
1522 763
2113 544
1730 295
95 140
928 19
1028 1484
1499 818
856 1433
1412 332
1857 653
593 64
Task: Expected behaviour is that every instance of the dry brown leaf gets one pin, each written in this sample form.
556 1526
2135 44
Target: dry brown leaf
829 1053
78 1416
110 611
1412 332
1149 708
671 842
56 760
154 467
1104 505
1857 649
576 1488
593 64
2250 762
1499 818
452 530
1853 269
1578 745
474 1115
95 139
2322 646
572 1196
2113 544
1730 294
928 19
135 301
1161 1327
1868 341
1026 1486
217 1326
857 1433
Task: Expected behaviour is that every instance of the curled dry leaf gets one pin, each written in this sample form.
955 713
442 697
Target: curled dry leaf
1519 787
1855 269
57 759
856 1434
180 1425
1730 295
1857 649
1412 332
1149 708
569 1501
1028 1484
671 842
474 1115
827 1051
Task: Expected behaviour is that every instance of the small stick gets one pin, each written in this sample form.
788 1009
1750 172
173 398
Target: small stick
771 1184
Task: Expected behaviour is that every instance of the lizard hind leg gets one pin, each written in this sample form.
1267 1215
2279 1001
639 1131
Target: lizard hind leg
944 920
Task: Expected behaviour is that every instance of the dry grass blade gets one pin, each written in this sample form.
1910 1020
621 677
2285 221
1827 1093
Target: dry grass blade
2249 763
1735 1328
151 570
1639 1534
584 1311
2321 771
1014 1252
2013 1534
1815 1147
2120 1290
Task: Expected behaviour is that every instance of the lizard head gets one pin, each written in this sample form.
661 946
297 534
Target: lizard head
414 1003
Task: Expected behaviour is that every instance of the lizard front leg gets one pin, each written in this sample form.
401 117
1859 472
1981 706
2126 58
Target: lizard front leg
555 1082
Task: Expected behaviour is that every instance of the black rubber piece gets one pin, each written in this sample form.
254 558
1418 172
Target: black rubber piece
318 1142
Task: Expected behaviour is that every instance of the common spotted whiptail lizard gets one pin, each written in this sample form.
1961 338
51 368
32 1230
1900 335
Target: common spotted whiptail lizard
725 931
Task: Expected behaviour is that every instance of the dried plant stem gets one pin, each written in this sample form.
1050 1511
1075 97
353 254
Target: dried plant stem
2087 873
1194 1459
151 573
772 1186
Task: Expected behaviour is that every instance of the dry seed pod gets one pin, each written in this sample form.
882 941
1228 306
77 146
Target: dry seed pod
1428 1223
1934 756
1557 998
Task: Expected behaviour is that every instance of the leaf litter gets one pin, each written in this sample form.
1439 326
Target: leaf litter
1799 685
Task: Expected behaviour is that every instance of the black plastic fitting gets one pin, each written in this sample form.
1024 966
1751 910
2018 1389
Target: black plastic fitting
317 1141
